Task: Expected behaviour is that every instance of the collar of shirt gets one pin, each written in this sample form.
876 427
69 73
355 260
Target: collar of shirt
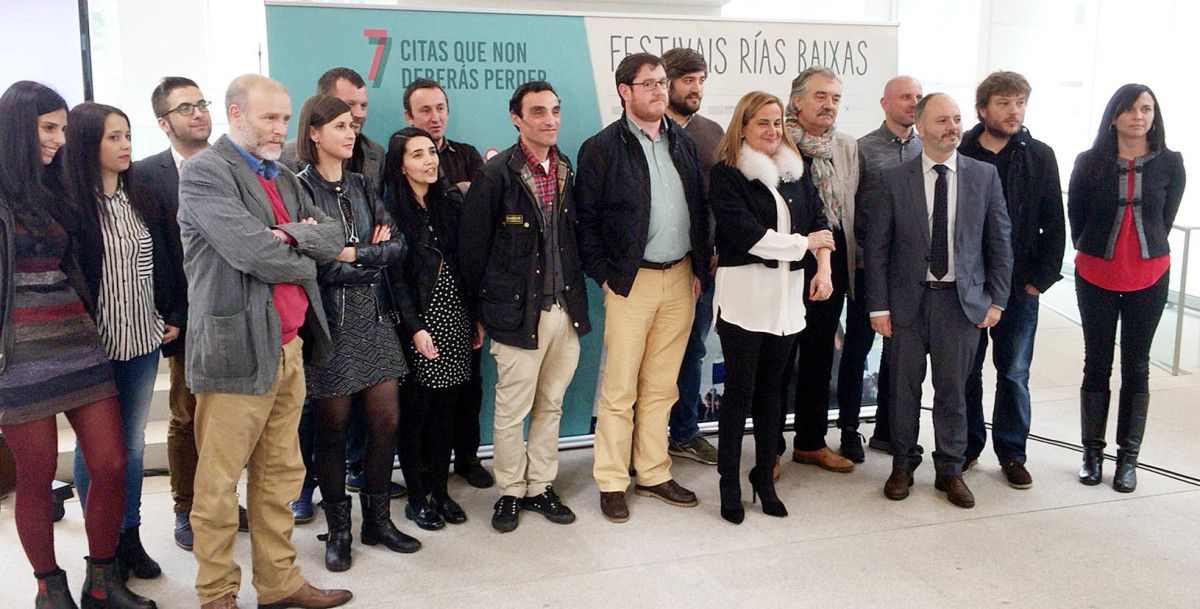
637 129
888 133
178 158
928 163
447 146
263 167
117 196
534 163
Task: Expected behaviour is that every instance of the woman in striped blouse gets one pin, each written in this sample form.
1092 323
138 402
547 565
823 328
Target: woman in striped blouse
130 268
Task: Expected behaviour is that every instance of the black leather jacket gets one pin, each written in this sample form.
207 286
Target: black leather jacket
432 234
374 259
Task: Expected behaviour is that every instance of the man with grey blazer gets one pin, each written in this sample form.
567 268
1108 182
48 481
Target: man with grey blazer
251 240
939 263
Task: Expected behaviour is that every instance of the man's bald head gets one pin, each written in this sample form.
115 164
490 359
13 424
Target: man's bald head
258 109
900 97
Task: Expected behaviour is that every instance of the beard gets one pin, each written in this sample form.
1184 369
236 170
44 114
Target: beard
682 108
257 144
185 136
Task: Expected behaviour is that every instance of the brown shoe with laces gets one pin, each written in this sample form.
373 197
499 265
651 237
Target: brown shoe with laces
669 492
825 459
308 597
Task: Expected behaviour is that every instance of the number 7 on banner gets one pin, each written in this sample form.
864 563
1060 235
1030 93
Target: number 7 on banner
382 42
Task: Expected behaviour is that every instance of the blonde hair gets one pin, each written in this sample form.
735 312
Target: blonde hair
730 147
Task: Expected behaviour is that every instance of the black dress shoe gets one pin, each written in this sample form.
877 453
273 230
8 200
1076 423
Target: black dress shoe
449 510
505 513
243 520
421 512
852 445
548 504
184 537
476 475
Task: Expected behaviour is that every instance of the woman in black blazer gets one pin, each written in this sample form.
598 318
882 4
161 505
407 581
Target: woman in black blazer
768 218
1124 194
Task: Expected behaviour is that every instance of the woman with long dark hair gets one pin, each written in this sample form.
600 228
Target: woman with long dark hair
427 208
51 357
130 271
1123 197
368 358
769 217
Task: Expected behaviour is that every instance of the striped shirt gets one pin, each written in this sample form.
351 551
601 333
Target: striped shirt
128 322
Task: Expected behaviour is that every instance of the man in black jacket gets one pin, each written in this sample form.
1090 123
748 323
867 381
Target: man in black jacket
1029 175
522 274
183 115
643 234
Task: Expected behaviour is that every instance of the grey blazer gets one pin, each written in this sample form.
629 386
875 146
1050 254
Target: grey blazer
232 261
897 248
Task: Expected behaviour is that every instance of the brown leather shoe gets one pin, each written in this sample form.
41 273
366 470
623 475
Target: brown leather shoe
956 490
308 597
896 487
669 492
824 459
612 505
229 601
776 472
1016 474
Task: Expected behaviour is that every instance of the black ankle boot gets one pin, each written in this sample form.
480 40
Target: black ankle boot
132 557
104 589
53 592
731 500
761 484
1093 418
337 540
377 525
1131 425
420 511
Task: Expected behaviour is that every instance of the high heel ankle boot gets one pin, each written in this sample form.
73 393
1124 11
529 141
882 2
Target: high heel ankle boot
103 588
53 592
761 484
1131 425
339 537
1093 418
132 556
731 500
377 525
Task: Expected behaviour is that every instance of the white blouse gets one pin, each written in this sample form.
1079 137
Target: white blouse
762 299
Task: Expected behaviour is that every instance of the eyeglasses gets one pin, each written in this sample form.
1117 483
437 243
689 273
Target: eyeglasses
188 109
650 85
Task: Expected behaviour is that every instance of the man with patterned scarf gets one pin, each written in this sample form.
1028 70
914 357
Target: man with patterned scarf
833 162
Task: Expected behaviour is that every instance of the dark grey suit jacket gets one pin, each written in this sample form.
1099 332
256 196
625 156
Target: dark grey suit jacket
158 175
898 245
232 261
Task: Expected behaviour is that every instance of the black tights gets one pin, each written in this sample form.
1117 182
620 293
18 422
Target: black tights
379 403
426 438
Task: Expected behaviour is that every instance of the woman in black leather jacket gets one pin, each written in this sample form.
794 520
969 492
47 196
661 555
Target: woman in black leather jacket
368 359
427 211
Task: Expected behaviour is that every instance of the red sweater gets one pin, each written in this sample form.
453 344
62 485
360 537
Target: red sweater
1127 271
290 300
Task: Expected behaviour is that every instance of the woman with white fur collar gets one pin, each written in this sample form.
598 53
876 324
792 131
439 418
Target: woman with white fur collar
769 216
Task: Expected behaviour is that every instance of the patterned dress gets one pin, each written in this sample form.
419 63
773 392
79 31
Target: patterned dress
450 328
57 362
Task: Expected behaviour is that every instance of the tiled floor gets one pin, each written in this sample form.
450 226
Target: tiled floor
1057 545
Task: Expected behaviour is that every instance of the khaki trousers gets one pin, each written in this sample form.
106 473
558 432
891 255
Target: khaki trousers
645 335
181 437
531 383
233 432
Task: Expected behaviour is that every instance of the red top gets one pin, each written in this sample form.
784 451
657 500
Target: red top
290 300
1127 271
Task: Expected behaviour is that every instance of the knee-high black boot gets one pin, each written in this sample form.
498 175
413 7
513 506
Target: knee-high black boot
1093 419
377 526
1131 425
53 592
339 537
104 589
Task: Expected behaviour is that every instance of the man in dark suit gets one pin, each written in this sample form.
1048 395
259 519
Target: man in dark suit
939 264
183 116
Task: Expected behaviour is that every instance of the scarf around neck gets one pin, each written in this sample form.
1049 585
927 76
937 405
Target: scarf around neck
820 149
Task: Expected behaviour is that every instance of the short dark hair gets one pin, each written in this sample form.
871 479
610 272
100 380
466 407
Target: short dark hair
1000 83
518 96
682 60
158 97
317 111
629 67
919 109
422 83
328 80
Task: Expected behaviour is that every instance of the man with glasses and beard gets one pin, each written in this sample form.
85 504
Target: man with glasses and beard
687 70
643 237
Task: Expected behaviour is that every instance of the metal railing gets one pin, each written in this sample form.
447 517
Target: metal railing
1181 305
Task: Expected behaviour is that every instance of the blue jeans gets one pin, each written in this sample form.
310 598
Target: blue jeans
135 389
1012 354
684 414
